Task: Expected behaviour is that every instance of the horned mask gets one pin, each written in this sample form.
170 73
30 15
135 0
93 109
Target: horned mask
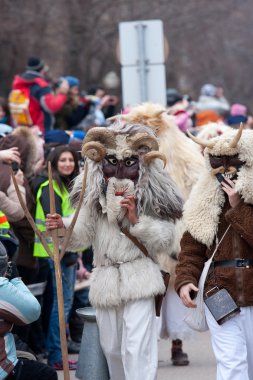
121 152
204 206
223 154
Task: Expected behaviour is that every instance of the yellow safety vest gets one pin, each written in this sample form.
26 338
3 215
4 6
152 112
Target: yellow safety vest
38 249
4 225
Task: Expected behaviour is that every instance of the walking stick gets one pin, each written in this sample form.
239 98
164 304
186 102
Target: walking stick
55 255
58 278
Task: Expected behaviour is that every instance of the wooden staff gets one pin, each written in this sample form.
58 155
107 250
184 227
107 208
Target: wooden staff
30 218
73 222
58 278
55 257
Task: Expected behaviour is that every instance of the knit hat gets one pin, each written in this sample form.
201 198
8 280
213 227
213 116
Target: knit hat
3 260
236 120
172 96
72 81
56 136
35 64
208 90
238 109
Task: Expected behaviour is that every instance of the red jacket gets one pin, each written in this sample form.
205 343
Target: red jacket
43 103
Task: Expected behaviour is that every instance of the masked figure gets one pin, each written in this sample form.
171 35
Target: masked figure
212 207
184 163
126 185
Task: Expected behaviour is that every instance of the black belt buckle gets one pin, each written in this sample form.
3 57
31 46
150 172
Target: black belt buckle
242 263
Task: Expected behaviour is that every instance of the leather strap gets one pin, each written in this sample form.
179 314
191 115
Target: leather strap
236 263
134 240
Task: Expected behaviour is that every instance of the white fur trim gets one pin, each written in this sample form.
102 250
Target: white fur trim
111 286
155 234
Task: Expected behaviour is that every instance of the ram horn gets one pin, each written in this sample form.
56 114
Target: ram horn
95 151
117 117
150 156
205 144
143 139
237 137
101 135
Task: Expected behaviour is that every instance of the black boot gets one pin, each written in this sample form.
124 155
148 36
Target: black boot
178 357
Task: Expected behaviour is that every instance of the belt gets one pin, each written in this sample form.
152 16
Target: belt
236 263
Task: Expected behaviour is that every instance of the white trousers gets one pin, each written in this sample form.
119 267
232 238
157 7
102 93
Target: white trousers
172 324
129 340
233 345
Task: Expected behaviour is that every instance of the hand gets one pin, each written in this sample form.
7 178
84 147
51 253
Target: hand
10 155
184 294
83 274
108 100
233 196
54 221
12 271
130 205
19 178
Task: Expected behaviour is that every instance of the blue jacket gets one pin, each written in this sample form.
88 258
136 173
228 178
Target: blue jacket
17 306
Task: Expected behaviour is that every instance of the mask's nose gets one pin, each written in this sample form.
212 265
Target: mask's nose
120 170
226 163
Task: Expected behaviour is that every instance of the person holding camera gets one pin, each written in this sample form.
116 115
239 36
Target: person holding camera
219 214
17 306
75 109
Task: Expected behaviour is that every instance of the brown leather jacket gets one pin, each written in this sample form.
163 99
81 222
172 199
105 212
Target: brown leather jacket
238 243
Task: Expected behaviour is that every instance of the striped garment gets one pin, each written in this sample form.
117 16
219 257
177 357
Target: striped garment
17 306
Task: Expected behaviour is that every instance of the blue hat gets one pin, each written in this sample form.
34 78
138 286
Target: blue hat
234 120
72 81
56 136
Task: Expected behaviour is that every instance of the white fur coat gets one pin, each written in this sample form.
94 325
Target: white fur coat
135 276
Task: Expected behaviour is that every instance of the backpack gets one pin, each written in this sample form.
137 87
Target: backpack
19 107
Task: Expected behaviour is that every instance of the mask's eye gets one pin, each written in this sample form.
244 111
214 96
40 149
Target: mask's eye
112 160
130 161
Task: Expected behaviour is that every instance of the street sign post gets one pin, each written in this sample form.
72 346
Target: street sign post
142 60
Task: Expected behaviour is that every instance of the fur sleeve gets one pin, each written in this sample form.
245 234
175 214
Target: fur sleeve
155 234
241 219
190 261
83 233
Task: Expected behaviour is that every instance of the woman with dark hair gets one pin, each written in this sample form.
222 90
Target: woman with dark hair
65 168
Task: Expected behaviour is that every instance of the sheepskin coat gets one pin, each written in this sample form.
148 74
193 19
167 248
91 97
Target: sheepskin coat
122 272
207 214
237 243
184 164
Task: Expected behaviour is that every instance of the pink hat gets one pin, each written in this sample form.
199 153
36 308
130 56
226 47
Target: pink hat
238 109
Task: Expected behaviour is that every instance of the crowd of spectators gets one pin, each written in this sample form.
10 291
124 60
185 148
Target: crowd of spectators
41 122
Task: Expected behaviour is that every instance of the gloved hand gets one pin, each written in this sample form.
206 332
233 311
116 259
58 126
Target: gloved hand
12 271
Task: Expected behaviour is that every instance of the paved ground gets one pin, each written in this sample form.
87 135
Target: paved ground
202 363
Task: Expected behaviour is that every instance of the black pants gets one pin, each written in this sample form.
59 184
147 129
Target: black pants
31 369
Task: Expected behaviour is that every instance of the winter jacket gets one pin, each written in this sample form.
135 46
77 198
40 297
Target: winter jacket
10 205
122 272
219 105
17 306
71 114
43 103
22 138
237 244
